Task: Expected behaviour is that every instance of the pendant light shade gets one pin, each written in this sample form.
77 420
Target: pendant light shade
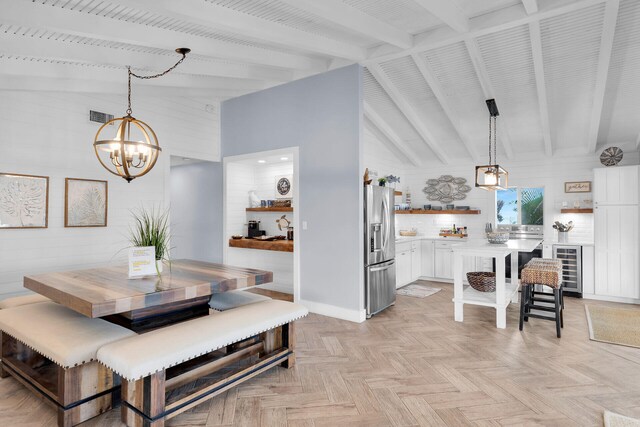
133 151
492 177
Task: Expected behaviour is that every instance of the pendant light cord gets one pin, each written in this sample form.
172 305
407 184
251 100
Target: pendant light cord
492 140
154 76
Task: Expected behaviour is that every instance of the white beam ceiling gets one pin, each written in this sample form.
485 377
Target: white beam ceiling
438 91
354 20
541 86
489 92
210 14
606 47
531 6
411 115
448 12
32 15
384 132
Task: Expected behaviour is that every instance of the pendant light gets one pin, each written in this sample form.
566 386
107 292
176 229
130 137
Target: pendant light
134 149
492 176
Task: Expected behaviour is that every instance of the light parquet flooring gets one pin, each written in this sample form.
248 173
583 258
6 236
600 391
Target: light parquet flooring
413 365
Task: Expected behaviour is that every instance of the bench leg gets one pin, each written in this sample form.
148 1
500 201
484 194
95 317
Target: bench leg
147 396
3 373
289 341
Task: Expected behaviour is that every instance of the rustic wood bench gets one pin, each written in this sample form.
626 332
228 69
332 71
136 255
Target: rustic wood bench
22 300
170 370
224 301
51 350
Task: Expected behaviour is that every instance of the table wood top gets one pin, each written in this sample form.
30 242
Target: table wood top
99 292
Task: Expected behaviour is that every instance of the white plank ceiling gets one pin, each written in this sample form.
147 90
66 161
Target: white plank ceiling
565 73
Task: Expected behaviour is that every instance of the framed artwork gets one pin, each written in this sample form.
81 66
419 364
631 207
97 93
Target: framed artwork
577 187
284 187
24 201
85 202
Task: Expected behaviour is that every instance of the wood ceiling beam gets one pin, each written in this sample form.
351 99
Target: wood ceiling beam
530 6
72 85
436 88
34 15
354 20
215 16
47 48
448 12
489 92
541 86
604 58
385 133
407 110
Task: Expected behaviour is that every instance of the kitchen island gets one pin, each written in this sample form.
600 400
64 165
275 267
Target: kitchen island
504 293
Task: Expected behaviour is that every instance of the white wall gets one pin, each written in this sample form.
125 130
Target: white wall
380 160
49 134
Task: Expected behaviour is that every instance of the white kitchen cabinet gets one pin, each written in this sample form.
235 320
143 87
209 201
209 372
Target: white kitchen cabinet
615 186
403 266
588 270
416 260
428 255
616 251
443 264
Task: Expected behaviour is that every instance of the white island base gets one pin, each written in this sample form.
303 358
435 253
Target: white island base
505 292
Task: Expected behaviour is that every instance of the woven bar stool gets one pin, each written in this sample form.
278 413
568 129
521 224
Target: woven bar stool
547 272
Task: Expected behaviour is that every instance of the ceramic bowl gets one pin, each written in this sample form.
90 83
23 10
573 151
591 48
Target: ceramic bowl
498 238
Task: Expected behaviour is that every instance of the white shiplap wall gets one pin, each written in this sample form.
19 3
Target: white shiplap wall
240 178
50 134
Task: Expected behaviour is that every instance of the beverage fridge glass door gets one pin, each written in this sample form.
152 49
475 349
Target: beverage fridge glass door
379 225
380 286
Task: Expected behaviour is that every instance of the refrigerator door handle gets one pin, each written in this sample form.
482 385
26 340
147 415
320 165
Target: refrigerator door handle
386 266
385 215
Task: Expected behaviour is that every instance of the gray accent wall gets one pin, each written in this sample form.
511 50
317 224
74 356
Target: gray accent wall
322 115
196 211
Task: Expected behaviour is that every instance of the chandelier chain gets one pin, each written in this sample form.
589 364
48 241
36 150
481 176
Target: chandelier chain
154 76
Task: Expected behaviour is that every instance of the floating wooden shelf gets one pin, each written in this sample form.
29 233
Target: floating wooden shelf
443 212
274 245
397 193
272 209
578 211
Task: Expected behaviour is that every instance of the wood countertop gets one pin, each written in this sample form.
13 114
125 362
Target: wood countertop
273 245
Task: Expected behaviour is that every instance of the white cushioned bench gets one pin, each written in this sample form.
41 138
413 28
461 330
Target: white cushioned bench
224 301
22 300
52 351
163 360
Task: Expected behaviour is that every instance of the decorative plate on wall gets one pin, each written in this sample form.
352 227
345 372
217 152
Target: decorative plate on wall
446 189
284 187
611 156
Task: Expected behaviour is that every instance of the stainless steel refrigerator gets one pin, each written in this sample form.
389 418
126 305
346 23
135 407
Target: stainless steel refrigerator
379 248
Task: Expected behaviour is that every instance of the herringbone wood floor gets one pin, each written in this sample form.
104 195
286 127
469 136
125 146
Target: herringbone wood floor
413 365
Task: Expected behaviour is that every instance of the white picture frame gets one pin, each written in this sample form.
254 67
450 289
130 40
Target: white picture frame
284 187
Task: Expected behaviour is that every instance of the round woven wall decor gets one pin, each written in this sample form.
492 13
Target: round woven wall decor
611 156
446 189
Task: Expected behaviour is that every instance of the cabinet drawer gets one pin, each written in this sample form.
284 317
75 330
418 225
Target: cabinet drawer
444 245
403 247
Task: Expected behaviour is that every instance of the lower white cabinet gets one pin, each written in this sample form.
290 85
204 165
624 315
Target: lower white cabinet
428 255
443 262
403 267
416 260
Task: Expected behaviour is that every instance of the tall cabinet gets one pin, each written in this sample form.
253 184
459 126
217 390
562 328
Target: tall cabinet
617 255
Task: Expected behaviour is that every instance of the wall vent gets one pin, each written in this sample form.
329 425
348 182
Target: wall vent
98 117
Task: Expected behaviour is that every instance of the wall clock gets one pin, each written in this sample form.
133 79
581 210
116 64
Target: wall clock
611 156
284 187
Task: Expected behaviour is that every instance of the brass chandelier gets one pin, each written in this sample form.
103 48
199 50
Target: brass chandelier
134 149
492 176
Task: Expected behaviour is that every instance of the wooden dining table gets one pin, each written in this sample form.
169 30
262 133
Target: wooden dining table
181 292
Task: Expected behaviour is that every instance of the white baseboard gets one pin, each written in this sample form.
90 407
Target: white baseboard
611 299
357 316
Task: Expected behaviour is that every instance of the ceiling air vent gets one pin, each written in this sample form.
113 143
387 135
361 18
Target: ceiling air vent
98 117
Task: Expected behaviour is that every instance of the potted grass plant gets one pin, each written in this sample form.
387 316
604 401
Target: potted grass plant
151 228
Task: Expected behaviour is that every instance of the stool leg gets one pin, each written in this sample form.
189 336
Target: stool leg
530 293
523 302
561 307
556 295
